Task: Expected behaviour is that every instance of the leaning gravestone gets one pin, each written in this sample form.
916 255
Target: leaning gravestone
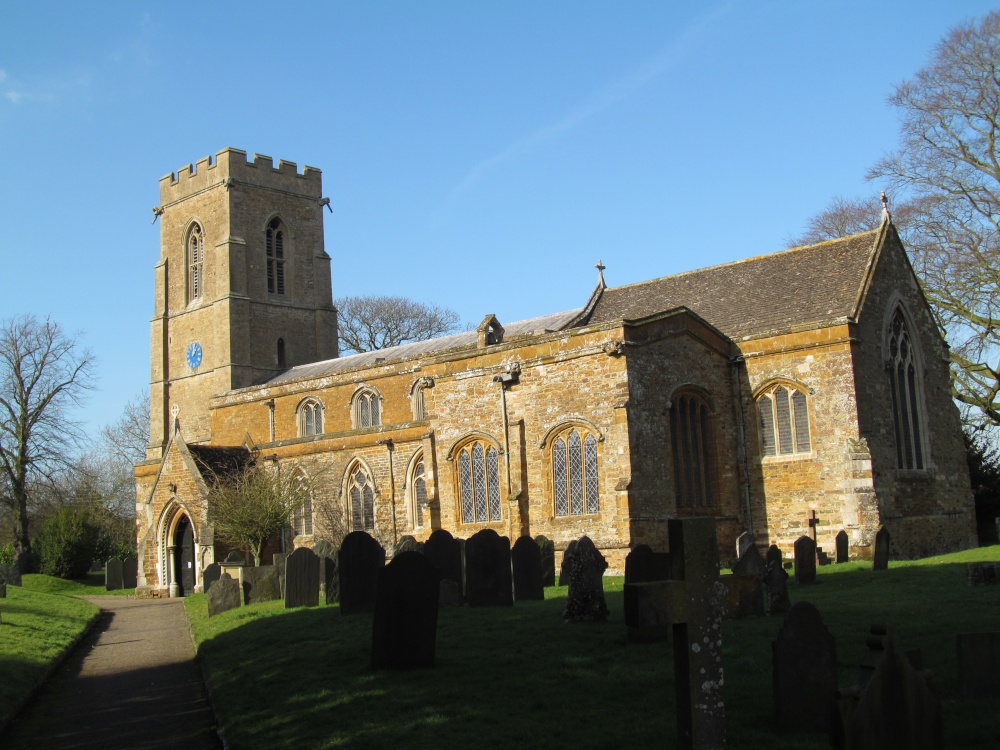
843 546
880 557
548 550
358 564
773 555
585 599
526 565
130 573
804 662
224 595
805 560
261 584
113 574
301 579
776 585
487 570
750 563
444 552
407 543
404 627
564 568
210 575
978 664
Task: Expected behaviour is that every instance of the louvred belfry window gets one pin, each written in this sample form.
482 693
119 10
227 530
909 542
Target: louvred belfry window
784 421
196 263
904 387
275 242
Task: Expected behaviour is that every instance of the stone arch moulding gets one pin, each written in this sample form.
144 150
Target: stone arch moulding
698 390
784 380
170 517
568 423
284 223
471 437
896 302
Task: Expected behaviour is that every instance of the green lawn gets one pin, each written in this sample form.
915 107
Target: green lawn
521 676
91 585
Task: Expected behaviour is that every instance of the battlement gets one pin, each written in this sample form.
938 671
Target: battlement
231 164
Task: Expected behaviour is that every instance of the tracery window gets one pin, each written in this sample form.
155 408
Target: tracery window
784 421
418 492
361 492
310 418
904 385
692 437
366 409
275 244
574 474
302 517
479 482
196 263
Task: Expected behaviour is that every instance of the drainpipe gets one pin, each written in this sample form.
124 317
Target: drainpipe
392 488
742 445
510 377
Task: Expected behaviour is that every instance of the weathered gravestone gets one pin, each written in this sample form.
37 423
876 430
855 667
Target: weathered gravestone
444 552
743 541
407 543
805 560
804 662
548 550
689 603
526 566
642 565
324 548
113 574
843 546
880 556
224 595
750 563
585 599
210 575
776 584
773 555
301 579
404 627
978 664
563 569
278 560
130 573
261 584
358 563
743 596
328 580
235 558
981 573
487 570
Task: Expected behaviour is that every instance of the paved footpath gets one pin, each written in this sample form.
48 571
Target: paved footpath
131 683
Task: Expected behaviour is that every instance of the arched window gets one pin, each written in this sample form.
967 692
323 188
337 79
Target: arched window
692 437
904 385
310 418
417 404
574 474
784 421
479 482
302 517
418 491
361 492
366 409
275 243
195 263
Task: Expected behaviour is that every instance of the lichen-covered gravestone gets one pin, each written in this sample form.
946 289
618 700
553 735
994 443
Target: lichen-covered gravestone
301 579
224 595
548 550
526 564
404 627
880 556
487 570
804 663
585 599
407 543
805 560
261 584
210 575
358 563
113 574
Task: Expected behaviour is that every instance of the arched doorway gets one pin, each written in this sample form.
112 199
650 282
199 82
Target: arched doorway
184 557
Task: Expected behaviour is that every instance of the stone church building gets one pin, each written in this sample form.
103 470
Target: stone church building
810 380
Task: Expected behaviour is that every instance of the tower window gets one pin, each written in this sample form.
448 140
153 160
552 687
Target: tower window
275 257
196 263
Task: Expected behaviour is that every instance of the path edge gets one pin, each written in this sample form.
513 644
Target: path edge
204 681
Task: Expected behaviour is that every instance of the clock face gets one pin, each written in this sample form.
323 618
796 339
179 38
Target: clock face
194 355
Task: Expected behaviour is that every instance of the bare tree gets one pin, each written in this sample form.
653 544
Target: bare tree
43 375
846 216
368 323
125 440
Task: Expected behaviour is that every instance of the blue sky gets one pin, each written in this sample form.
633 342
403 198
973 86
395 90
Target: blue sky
481 156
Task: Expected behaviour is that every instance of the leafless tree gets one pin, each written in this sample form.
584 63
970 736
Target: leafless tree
368 323
125 440
43 376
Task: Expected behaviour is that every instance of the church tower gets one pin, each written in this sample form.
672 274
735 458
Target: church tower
242 285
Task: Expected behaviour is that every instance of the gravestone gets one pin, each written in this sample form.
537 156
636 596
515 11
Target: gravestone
642 565
743 596
750 563
445 553
843 547
563 568
981 573
301 579
404 627
880 557
278 560
805 560
743 541
210 575
261 584
327 555
526 566
451 595
358 563
487 570
548 550
130 573
804 663
235 558
224 595
407 543
585 599
978 664
773 555
776 585
113 574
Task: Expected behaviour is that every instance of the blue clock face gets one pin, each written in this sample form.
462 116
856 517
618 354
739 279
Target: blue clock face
194 355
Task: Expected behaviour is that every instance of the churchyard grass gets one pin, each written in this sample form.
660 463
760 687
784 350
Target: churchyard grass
91 585
300 678
37 628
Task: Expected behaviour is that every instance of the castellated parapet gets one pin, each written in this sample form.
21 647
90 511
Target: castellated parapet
231 164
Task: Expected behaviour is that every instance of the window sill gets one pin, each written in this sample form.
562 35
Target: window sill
788 457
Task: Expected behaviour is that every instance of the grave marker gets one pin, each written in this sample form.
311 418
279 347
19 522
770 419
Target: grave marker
526 566
804 663
743 541
224 595
358 562
642 565
776 584
210 575
261 584
487 570
585 599
843 547
301 579
805 560
880 557
548 549
444 552
404 628
563 569
407 543
113 574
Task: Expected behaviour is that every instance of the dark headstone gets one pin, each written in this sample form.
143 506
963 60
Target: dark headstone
301 579
805 560
261 584
358 563
445 553
981 573
743 541
642 565
487 570
563 569
224 595
773 555
744 596
804 661
404 628
210 575
451 595
978 664
130 573
843 546
880 556
548 549
526 564
585 569
750 563
776 585
113 574
645 625
407 543
235 558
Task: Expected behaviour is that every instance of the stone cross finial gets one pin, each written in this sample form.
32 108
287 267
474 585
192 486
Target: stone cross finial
600 272
175 410
886 216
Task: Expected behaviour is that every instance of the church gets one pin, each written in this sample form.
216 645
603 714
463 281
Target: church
806 390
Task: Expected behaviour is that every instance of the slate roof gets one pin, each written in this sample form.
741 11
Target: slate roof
216 461
793 289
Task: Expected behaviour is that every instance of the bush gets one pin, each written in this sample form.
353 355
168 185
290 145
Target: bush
67 542
7 553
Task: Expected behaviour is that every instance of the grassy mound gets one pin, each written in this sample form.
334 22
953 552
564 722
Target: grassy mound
91 585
